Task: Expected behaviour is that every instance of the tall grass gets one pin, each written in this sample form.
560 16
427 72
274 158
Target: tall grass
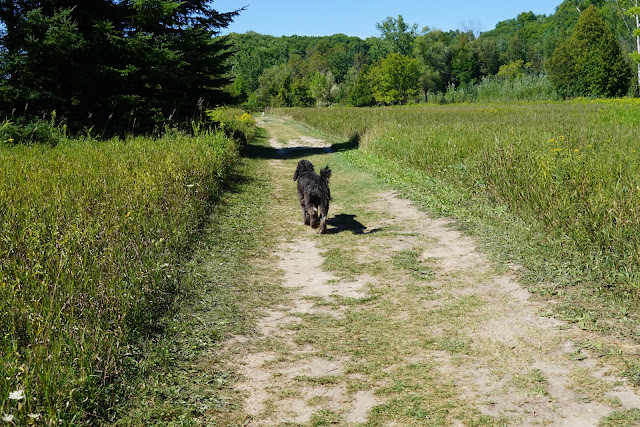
572 167
91 239
498 90
524 88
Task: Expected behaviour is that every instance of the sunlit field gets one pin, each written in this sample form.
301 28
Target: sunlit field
573 167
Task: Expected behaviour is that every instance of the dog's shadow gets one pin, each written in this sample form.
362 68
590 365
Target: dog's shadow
345 222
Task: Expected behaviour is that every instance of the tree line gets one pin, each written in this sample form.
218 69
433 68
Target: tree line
137 65
583 49
122 64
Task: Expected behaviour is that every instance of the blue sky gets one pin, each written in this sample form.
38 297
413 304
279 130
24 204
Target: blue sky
359 18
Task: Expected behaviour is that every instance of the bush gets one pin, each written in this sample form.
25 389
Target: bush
234 122
36 132
525 87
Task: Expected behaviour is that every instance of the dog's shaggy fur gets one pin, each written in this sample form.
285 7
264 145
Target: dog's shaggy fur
314 194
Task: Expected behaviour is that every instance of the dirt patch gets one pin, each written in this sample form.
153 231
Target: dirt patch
310 379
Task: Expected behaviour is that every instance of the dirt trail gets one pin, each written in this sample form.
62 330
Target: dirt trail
464 325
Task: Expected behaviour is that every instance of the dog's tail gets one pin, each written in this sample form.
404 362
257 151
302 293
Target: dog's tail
325 173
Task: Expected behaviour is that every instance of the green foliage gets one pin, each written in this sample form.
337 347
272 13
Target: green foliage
398 35
526 87
92 236
453 64
130 64
590 62
36 132
257 55
514 69
275 87
361 94
395 79
433 51
465 63
234 123
320 87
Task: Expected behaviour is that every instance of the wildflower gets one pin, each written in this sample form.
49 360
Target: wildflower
244 117
34 416
11 140
16 395
7 418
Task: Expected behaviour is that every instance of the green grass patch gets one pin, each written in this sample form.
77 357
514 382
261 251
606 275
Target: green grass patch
409 260
621 418
325 417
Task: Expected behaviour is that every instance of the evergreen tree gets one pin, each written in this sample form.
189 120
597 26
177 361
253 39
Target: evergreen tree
590 62
133 60
360 93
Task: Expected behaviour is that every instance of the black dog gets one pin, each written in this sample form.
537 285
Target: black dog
314 195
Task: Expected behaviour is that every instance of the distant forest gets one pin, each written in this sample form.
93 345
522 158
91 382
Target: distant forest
118 67
404 65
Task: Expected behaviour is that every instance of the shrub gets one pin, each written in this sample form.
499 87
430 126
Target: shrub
234 122
36 132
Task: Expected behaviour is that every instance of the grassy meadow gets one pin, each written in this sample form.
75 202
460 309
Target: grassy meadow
92 238
571 169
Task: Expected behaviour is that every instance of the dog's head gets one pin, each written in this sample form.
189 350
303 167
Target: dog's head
303 166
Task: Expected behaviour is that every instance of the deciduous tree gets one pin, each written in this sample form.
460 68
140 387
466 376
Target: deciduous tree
395 79
398 34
